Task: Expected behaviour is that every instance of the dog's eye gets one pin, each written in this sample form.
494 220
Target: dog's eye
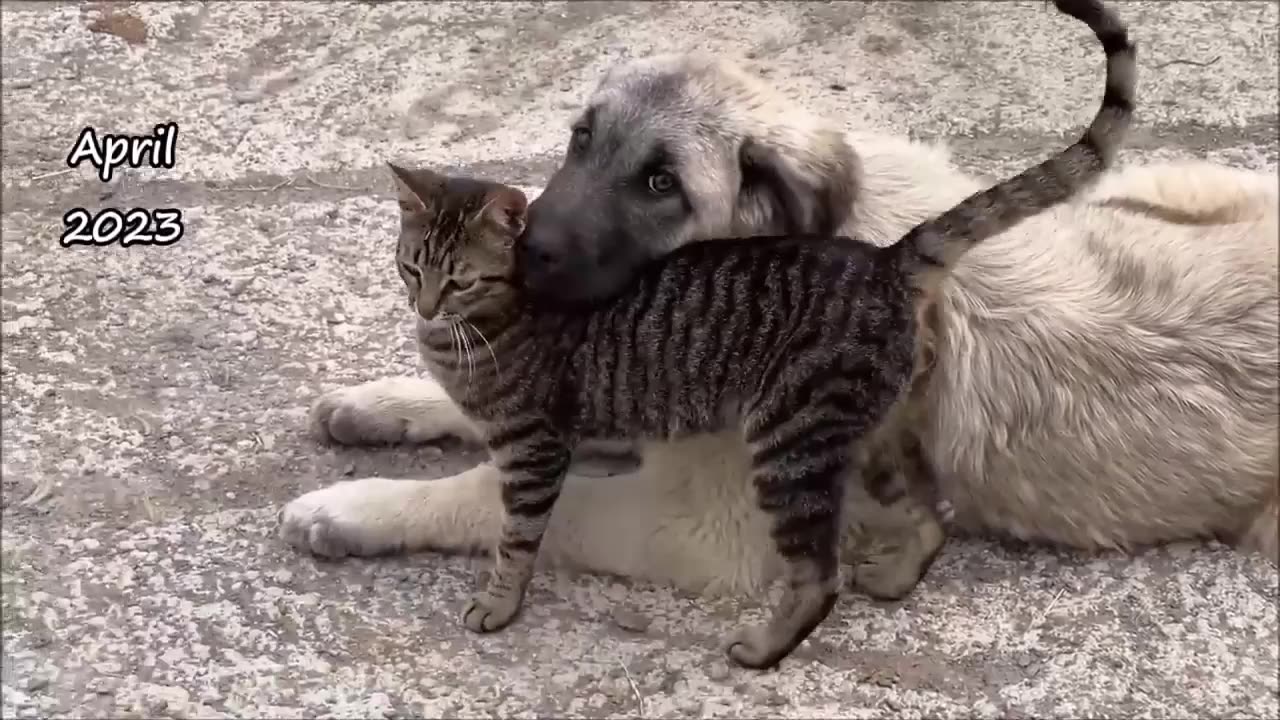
662 182
581 138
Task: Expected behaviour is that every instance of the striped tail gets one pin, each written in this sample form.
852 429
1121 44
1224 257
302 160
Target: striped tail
935 246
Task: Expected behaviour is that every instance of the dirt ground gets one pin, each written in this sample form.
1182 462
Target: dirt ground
154 396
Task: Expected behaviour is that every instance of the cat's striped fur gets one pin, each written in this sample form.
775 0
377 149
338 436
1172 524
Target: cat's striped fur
740 332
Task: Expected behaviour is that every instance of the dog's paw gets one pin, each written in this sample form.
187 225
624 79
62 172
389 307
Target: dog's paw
357 518
387 412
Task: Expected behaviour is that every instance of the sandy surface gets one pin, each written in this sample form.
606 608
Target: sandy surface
154 396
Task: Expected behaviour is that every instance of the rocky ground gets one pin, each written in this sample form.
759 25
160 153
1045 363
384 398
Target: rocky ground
153 397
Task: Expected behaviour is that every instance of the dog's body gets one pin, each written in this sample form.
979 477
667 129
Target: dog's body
1105 376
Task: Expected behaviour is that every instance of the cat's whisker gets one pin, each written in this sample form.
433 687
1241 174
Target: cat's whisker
497 371
466 344
456 341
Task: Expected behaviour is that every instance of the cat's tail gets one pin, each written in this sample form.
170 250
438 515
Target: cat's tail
935 245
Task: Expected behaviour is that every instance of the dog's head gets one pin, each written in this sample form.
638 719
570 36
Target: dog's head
676 148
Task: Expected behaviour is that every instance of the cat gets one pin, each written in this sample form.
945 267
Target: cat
735 332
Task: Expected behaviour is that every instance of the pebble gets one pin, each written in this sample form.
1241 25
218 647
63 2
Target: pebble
630 620
767 696
718 671
247 97
210 695
37 683
101 685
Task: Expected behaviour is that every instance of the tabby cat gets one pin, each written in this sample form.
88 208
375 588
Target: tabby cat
718 333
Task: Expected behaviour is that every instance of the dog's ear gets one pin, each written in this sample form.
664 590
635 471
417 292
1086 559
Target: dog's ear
814 197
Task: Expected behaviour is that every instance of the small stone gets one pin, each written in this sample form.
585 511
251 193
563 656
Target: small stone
101 685
630 620
210 695
349 470
37 683
718 671
767 696
838 87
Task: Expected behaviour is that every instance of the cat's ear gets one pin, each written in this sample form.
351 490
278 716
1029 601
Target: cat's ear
505 208
415 189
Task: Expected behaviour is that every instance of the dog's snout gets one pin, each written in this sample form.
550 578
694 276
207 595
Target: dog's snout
544 247
536 258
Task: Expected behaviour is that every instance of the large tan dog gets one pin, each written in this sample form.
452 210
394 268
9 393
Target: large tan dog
1105 377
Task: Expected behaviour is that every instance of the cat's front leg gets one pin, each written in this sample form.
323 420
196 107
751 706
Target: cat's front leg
533 460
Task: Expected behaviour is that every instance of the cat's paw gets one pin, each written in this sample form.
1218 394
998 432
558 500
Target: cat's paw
488 611
753 646
387 412
360 518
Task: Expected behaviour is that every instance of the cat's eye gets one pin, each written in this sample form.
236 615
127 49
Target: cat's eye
449 285
662 183
580 139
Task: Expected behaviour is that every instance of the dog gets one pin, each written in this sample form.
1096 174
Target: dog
1103 376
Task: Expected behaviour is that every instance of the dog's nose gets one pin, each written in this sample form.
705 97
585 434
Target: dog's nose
536 259
538 254
543 246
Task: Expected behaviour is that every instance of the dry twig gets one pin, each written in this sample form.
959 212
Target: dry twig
53 174
1184 61
635 689
317 183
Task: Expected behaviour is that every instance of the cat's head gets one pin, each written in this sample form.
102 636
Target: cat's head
456 253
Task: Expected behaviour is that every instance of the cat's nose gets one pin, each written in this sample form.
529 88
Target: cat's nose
426 306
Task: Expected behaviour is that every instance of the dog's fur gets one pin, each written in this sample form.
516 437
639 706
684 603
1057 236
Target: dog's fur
1105 377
